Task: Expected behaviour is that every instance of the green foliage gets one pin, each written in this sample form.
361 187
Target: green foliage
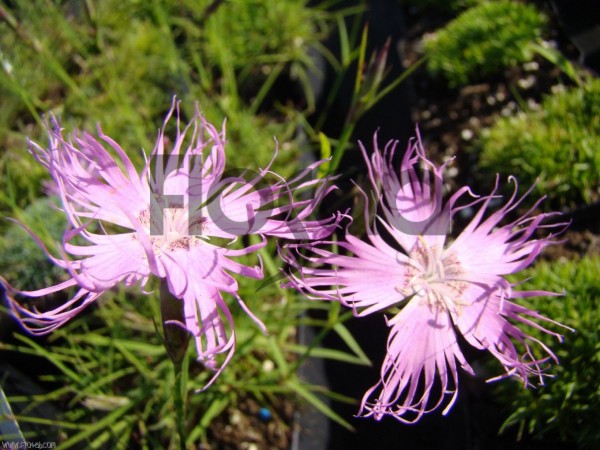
21 180
557 144
262 32
118 64
115 381
567 407
483 40
21 259
444 5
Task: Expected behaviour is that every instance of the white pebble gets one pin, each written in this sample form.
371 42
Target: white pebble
466 134
235 418
452 171
526 83
531 66
268 365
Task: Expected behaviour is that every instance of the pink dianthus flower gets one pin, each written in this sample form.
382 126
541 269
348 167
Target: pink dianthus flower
436 288
165 222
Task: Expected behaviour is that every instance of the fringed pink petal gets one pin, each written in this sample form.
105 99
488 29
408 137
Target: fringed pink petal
419 370
367 283
40 323
208 319
412 204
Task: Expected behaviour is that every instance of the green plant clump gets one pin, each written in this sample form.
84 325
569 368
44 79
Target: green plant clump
557 144
118 64
115 381
443 5
567 407
484 40
21 259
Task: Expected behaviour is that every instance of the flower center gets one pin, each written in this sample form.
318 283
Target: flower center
434 277
175 231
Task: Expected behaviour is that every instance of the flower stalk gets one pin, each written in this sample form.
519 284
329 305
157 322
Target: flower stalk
179 401
173 320
176 344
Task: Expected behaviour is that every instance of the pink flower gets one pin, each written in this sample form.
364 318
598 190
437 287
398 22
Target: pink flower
164 222
443 287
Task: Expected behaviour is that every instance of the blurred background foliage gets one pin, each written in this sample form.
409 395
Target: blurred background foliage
484 39
555 145
567 407
118 64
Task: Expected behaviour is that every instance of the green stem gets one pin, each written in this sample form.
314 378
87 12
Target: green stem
361 105
176 337
180 405
340 148
394 84
176 343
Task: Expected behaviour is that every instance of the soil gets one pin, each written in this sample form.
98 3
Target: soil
249 427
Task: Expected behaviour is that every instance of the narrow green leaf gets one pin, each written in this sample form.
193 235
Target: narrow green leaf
52 422
266 87
270 280
214 409
311 398
327 353
9 427
325 154
139 365
92 389
108 421
349 340
361 61
558 59
394 84
277 355
50 357
105 341
121 429
344 41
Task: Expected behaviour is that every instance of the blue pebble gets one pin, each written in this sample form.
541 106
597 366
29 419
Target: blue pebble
264 414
